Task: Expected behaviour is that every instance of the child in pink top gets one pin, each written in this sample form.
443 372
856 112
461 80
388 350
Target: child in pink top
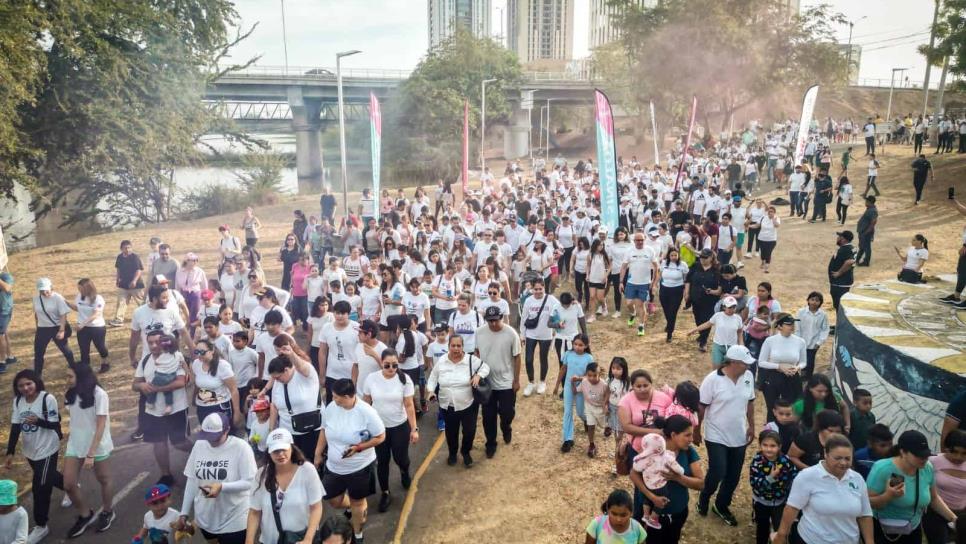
686 399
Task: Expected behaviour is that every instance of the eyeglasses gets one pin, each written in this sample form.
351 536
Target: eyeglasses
388 366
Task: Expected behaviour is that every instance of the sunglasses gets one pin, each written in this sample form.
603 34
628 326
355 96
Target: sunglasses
200 351
387 367
494 292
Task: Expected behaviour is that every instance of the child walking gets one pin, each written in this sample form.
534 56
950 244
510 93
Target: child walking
812 325
595 393
771 474
618 384
616 524
574 365
160 518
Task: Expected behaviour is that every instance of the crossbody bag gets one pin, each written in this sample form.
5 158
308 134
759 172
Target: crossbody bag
305 422
532 322
900 527
288 537
67 330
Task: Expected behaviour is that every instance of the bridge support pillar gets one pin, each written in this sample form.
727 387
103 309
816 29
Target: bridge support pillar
516 136
308 141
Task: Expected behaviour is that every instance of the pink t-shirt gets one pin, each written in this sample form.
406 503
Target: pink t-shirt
655 406
951 489
299 274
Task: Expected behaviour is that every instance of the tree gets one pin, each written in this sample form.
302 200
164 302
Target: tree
950 40
728 53
115 104
424 123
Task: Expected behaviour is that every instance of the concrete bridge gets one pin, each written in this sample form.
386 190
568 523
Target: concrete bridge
304 99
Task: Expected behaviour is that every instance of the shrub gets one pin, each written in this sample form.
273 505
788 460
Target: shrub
210 199
261 177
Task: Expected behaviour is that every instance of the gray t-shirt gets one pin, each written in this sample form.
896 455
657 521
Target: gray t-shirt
168 268
497 350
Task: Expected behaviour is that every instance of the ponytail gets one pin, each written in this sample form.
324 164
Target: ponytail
409 345
921 238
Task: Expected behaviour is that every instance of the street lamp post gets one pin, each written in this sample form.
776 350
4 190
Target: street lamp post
848 53
342 152
548 129
284 38
483 123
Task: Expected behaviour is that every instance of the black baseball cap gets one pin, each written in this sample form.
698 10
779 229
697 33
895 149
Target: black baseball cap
847 234
493 313
915 443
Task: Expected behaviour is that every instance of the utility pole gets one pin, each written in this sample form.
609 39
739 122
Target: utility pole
932 43
942 86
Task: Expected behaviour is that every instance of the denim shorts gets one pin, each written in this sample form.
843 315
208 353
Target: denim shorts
5 322
637 292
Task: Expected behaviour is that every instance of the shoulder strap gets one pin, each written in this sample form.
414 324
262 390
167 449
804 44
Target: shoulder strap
43 406
144 360
44 309
288 403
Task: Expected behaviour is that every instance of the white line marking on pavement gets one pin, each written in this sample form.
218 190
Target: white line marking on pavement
124 491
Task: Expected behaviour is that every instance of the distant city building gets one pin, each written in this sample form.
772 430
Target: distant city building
794 7
445 16
854 60
541 32
603 28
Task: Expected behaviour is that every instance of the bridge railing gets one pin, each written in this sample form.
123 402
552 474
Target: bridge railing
322 72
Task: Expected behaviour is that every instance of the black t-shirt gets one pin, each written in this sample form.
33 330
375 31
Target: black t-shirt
844 253
730 287
679 217
870 215
734 172
701 279
328 205
812 448
523 209
921 167
788 433
127 267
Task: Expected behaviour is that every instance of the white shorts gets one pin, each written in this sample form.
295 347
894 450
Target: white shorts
595 415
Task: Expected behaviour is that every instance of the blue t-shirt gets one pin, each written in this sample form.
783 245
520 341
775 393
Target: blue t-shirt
901 507
576 364
862 461
6 298
675 492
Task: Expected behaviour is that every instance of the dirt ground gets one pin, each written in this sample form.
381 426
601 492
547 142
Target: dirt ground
529 492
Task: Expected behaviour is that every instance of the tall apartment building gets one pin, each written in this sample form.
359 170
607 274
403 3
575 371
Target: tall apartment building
603 30
445 16
541 30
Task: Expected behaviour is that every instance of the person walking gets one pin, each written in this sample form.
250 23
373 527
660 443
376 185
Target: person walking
637 273
50 315
6 316
845 195
868 130
781 362
91 327
457 375
822 196
870 184
921 169
727 413
866 231
498 345
700 283
535 317
841 266
128 281
673 275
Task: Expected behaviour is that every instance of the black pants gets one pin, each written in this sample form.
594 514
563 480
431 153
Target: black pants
914 537
396 445
614 280
724 468
703 309
820 204
455 419
916 144
46 478
774 384
767 519
752 239
767 248
960 274
935 528
869 145
670 531
300 311
238 537
837 292
962 143
671 298
250 242
531 346
864 254
42 339
724 257
809 363
503 405
870 185
563 263
582 288
841 211
87 336
919 186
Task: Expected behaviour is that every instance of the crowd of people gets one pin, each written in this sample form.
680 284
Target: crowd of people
308 391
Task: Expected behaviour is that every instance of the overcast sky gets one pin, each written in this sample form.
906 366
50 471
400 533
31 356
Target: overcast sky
393 33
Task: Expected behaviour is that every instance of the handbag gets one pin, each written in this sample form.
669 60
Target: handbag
622 461
900 527
532 322
67 330
483 391
305 422
288 537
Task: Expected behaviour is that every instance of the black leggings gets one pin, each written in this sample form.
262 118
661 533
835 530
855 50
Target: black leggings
395 445
614 281
582 288
563 263
841 211
45 479
767 519
531 345
753 239
42 339
671 298
766 250
87 336
960 274
461 418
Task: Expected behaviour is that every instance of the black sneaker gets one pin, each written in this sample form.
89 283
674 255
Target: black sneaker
357 539
508 436
947 298
725 516
702 510
407 480
961 305
490 451
384 501
3 368
567 446
105 368
137 435
467 460
11 361
167 480
104 521
80 525
451 460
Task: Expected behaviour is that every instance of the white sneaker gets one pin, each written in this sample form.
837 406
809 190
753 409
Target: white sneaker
600 310
541 388
616 314
528 390
739 264
66 502
37 534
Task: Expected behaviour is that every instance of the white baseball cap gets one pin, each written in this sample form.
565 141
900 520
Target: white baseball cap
44 284
214 426
740 353
279 439
729 302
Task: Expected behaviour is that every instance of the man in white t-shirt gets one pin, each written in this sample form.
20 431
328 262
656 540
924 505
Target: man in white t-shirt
868 130
639 270
337 348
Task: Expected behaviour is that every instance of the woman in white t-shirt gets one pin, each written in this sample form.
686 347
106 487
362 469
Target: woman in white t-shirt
615 252
288 490
845 199
768 236
493 298
391 393
36 419
915 258
319 316
673 274
50 315
296 400
598 269
91 327
88 446
568 321
371 299
579 260
416 303
215 389
351 429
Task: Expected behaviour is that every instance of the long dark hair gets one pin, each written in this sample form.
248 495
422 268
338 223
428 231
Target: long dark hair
269 479
808 410
85 381
625 378
29 374
409 339
389 352
215 356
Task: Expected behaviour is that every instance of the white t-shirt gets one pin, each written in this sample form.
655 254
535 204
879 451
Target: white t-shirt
160 529
845 194
146 319
344 428
303 394
86 308
265 345
727 235
598 270
465 325
244 364
211 390
371 301
570 319
147 369
640 262
725 420
342 349
303 491
416 305
387 396
616 252
367 365
314 288
231 462
580 260
726 328
673 274
769 229
416 360
531 308
915 258
484 303
257 317
829 506
230 328
38 443
83 422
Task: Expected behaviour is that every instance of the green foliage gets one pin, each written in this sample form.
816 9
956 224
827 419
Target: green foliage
261 177
950 40
211 199
728 53
426 120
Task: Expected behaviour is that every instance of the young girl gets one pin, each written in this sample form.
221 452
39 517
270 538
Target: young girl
567 322
411 345
756 331
227 325
686 401
574 366
914 260
819 396
771 474
598 264
314 284
616 525
594 392
619 384
812 325
355 301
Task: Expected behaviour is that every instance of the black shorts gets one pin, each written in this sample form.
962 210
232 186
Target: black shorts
170 428
596 285
237 537
358 485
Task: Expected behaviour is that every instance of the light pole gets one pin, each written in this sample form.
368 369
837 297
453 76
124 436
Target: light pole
342 153
848 53
483 122
892 85
284 37
548 129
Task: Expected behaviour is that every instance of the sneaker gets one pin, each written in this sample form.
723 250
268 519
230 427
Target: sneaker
3 368
739 264
640 330
406 480
115 323
11 361
653 521
600 310
541 388
104 521
630 321
37 534
616 314
725 516
105 368
66 502
358 539
961 305
451 460
440 425
167 480
490 451
137 435
591 318
80 525
949 299
467 460
384 501
508 436
592 451
702 510
528 390
567 446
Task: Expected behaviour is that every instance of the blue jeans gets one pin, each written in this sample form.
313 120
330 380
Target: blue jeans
794 197
570 400
724 468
